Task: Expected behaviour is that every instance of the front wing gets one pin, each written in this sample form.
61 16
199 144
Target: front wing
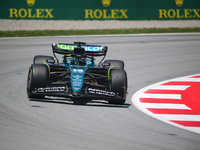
90 93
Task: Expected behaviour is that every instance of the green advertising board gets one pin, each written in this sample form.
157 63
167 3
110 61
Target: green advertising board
100 9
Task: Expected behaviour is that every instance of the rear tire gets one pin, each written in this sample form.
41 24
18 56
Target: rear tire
40 59
118 85
37 77
119 64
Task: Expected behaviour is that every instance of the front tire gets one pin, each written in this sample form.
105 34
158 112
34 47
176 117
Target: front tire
116 64
40 59
37 77
118 85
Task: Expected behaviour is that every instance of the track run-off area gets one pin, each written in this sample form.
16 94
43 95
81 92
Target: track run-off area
175 102
163 81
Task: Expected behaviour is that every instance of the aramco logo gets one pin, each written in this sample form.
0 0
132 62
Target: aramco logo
106 3
30 2
179 3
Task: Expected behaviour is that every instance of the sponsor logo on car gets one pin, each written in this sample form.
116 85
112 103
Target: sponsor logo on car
77 84
101 92
51 89
87 47
92 48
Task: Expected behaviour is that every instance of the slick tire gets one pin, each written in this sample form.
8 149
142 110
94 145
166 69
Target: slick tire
40 59
118 64
38 76
118 85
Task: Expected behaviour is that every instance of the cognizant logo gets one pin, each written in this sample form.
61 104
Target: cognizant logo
179 13
29 12
106 13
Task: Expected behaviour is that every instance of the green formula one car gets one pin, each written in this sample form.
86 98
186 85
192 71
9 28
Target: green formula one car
77 76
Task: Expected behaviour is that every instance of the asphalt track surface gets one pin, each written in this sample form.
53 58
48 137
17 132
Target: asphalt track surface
62 124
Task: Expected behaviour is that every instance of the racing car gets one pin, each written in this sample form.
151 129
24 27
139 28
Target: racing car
77 76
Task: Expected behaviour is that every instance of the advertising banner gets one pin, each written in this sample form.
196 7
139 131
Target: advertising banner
100 9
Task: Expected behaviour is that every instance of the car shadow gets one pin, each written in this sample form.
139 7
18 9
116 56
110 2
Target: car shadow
79 102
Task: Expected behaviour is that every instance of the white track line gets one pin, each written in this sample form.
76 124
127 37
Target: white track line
180 117
165 106
170 87
163 96
108 35
187 80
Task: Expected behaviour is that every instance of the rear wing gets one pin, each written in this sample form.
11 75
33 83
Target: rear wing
92 50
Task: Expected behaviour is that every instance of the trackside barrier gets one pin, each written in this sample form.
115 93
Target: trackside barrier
101 9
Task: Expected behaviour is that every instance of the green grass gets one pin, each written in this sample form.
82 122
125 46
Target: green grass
95 32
